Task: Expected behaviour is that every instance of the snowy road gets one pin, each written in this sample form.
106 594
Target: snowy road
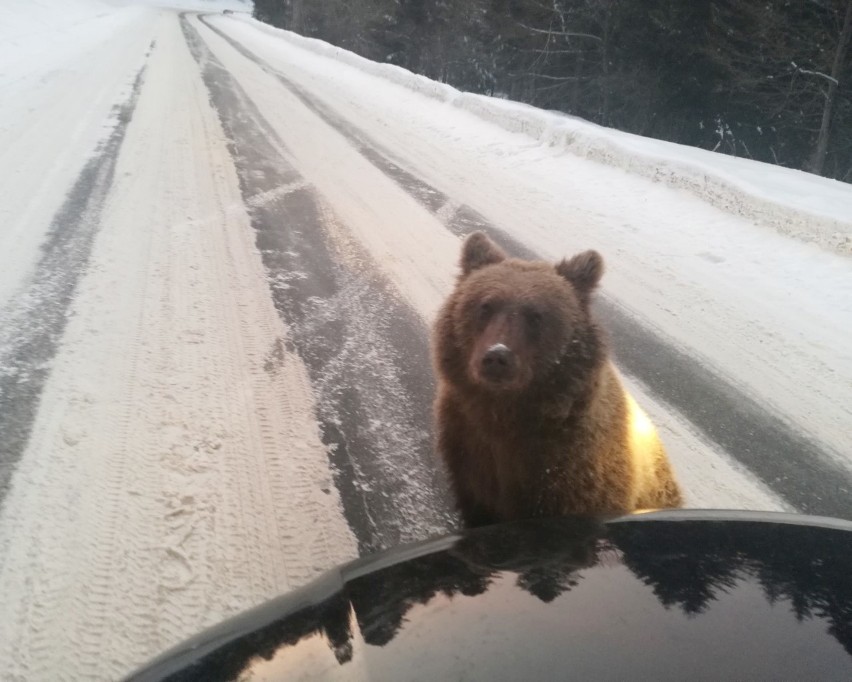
216 285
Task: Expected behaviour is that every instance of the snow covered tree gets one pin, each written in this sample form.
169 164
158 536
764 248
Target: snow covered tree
839 70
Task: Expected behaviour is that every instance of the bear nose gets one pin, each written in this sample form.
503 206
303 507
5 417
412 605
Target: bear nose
497 362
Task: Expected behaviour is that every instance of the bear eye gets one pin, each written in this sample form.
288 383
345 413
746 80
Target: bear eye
486 308
534 317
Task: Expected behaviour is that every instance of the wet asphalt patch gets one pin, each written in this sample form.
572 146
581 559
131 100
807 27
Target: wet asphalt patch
366 352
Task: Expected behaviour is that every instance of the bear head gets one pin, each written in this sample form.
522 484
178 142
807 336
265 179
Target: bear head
519 323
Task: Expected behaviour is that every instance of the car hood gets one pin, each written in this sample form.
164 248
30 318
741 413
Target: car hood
663 595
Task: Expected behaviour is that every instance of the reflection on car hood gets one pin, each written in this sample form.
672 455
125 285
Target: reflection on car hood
666 595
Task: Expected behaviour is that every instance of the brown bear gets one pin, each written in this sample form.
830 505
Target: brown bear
531 417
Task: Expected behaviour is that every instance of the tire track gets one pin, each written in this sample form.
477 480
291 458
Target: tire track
32 323
799 470
365 351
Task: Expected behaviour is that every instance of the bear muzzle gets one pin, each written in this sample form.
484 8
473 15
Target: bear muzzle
499 365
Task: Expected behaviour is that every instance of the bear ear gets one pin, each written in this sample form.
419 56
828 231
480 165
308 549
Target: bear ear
584 271
479 251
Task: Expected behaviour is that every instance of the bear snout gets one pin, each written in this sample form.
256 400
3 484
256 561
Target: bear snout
499 364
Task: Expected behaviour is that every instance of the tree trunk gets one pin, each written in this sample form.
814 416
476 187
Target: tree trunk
297 23
605 67
575 86
817 161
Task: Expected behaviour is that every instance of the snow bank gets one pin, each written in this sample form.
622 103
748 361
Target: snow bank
795 203
198 5
20 20
39 36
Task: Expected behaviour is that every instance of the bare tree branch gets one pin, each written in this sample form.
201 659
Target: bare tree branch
814 73
569 34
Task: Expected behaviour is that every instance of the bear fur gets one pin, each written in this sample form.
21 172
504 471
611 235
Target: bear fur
531 417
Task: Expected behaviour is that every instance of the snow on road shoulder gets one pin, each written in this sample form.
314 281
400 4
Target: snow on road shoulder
56 109
41 37
771 314
175 473
795 203
245 6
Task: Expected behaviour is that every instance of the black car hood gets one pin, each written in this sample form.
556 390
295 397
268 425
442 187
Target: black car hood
665 595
